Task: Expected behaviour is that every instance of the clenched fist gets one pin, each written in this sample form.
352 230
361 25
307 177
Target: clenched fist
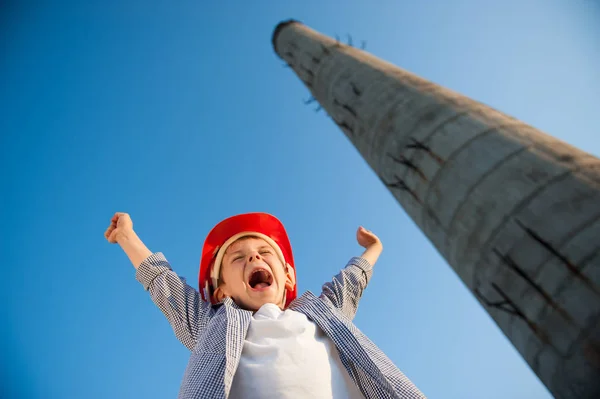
120 224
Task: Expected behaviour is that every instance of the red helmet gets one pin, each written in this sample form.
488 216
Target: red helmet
257 224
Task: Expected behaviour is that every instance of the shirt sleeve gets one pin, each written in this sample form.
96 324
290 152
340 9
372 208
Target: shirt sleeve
346 288
182 305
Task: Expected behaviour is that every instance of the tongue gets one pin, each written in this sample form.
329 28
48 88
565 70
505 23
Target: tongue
261 285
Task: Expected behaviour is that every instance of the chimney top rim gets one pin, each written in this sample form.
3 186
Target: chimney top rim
280 26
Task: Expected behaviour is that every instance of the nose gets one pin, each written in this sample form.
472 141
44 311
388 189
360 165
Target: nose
254 257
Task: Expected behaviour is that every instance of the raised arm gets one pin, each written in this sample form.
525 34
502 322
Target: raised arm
180 303
346 288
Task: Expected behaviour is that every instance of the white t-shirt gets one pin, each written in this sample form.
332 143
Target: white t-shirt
285 355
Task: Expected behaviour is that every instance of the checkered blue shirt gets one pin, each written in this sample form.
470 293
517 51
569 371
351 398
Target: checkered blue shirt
215 334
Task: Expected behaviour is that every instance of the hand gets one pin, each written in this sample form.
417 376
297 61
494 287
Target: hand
366 238
120 224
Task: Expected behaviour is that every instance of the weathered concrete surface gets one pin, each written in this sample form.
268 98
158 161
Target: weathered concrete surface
514 211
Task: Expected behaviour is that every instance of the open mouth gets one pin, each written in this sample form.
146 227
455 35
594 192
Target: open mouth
260 279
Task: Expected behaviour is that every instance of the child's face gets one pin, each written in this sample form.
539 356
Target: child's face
252 274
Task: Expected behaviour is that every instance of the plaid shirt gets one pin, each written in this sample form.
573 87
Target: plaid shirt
215 334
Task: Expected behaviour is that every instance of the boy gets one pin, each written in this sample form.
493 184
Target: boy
249 334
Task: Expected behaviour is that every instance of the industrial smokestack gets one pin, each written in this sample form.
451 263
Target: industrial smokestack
514 211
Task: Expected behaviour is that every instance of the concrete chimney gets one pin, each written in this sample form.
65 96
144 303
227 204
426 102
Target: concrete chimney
514 211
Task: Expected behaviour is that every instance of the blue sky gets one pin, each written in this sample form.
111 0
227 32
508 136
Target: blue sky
181 114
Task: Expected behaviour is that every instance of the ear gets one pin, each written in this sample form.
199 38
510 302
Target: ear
220 293
290 277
